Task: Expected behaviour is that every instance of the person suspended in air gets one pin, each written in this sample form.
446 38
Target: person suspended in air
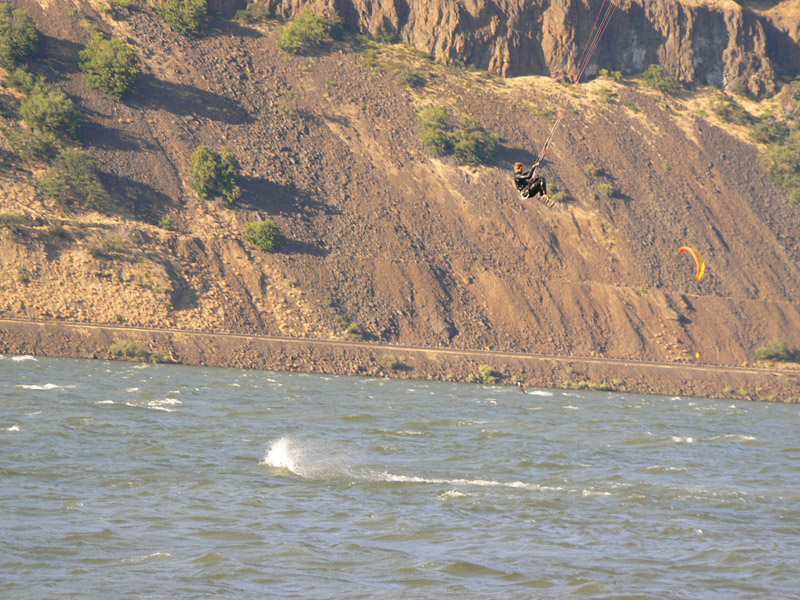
530 183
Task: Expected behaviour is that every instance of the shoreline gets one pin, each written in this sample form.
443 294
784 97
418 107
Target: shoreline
345 357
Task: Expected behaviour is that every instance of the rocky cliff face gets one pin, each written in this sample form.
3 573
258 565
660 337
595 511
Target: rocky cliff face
713 43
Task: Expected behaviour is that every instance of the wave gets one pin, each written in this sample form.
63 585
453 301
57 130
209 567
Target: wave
392 478
13 428
46 386
25 357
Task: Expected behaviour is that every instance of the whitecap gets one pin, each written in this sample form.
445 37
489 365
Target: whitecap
540 393
105 402
13 428
144 557
447 495
682 440
46 386
587 493
392 478
26 357
660 469
570 407
131 390
163 404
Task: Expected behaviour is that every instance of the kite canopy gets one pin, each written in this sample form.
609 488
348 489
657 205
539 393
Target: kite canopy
699 263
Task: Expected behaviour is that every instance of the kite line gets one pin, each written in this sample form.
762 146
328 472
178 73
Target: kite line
600 24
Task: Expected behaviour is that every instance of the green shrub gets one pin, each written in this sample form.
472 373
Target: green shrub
468 141
262 234
732 112
658 78
134 350
434 130
111 66
613 75
215 173
472 144
769 131
389 362
30 144
591 169
308 31
72 178
782 162
411 78
630 105
187 17
23 80
487 374
18 36
559 196
13 221
166 223
354 332
739 88
605 189
776 350
256 12
48 110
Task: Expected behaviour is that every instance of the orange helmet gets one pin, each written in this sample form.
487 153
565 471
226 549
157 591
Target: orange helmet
518 166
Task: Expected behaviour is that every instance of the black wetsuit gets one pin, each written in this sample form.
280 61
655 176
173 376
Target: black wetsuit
530 184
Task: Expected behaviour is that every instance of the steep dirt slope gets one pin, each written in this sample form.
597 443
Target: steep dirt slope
412 248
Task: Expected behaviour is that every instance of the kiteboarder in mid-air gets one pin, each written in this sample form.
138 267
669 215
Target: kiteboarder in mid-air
529 183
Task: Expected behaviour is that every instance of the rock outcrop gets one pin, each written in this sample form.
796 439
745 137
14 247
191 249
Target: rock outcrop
714 43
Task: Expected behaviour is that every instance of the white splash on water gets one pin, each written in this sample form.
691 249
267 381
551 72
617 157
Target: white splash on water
279 455
26 357
46 386
682 440
13 428
309 458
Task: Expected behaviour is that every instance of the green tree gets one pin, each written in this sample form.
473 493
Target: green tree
110 65
308 31
262 234
215 173
18 36
72 178
49 110
659 78
187 17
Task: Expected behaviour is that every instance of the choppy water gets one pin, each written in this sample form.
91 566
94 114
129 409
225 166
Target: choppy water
121 480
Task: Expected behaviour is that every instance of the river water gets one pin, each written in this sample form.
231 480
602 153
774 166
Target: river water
124 480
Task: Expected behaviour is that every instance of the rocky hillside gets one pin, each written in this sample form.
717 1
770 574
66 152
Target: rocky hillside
711 43
378 232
